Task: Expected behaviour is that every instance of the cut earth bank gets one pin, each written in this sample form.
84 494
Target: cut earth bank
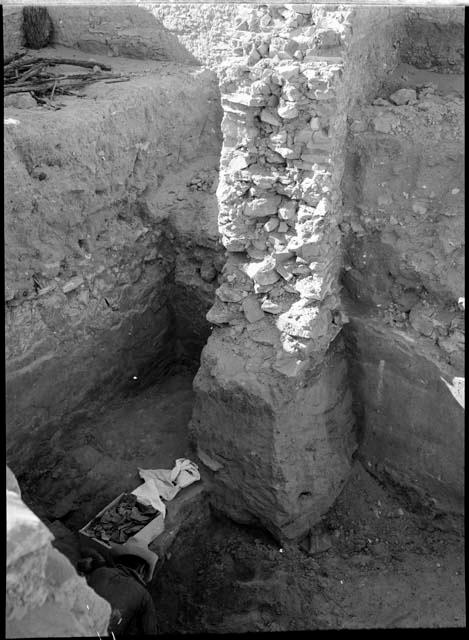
110 296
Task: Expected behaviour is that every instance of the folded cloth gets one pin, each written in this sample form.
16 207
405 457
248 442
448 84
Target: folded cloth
166 483
184 473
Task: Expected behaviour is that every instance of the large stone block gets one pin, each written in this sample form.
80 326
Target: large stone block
282 447
45 597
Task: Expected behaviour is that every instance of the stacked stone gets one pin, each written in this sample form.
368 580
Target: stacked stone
213 33
272 415
276 212
286 31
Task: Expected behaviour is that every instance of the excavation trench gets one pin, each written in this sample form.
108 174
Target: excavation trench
259 269
110 299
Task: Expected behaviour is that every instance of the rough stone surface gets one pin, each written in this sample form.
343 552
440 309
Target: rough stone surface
45 597
285 114
403 96
209 31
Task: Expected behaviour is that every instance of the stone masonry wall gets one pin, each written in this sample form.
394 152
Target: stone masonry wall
273 413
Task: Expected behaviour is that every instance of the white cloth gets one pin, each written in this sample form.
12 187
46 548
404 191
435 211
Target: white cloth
147 493
165 484
184 473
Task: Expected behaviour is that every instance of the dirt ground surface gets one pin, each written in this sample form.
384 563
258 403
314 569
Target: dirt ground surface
111 268
389 564
92 464
378 560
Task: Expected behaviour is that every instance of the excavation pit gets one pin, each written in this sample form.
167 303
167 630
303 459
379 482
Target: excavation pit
248 251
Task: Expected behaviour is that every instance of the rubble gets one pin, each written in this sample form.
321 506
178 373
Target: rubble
403 96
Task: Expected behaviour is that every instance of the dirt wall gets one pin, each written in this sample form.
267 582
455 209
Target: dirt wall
128 31
434 39
13 37
404 266
92 254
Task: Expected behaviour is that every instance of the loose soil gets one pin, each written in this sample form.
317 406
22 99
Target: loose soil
390 561
390 564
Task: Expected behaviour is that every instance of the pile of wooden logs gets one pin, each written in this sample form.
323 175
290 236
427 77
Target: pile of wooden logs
25 73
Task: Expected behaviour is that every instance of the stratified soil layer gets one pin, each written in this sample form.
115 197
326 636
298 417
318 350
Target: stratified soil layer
110 227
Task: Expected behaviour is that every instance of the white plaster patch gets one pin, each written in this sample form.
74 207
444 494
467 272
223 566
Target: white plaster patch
457 389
